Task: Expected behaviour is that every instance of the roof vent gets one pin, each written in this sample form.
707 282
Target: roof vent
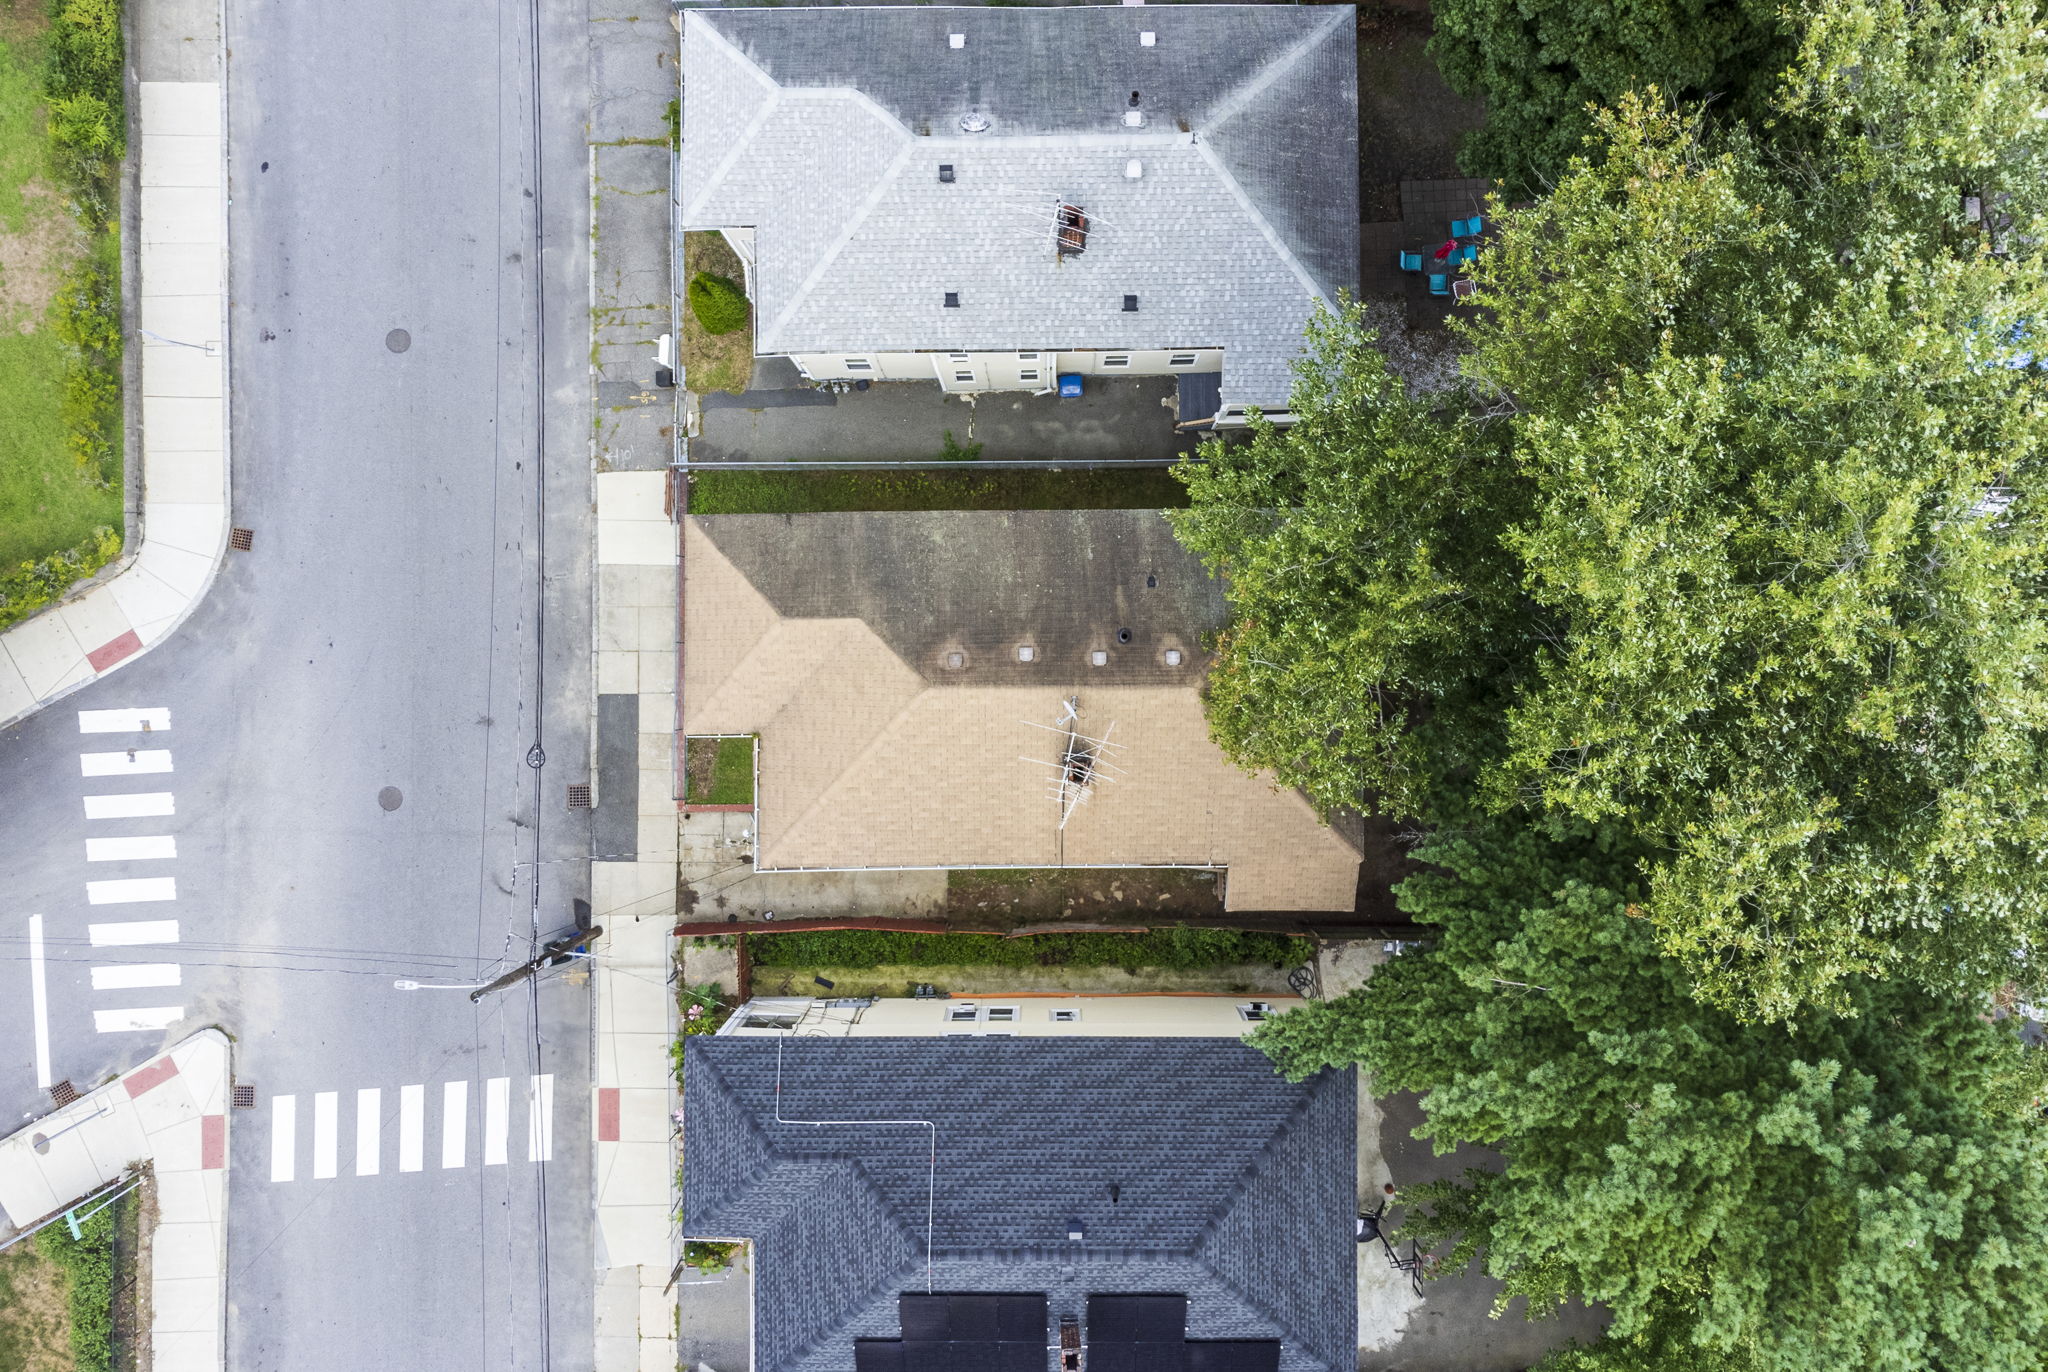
1098 658
1134 100
974 121
946 172
1134 169
1147 39
1130 304
1123 635
1025 652
1134 119
952 300
1173 657
956 40
1076 1230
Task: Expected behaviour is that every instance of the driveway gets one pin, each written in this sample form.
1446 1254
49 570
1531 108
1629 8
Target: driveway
783 419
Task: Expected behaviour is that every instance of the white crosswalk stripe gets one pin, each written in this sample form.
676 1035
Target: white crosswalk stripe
131 890
370 1120
284 1137
412 1101
123 721
133 932
497 1113
140 805
141 1018
138 848
369 1113
133 762
454 1124
326 1115
128 976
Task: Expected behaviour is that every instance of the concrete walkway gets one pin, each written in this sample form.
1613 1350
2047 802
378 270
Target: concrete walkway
170 1113
177 545
635 900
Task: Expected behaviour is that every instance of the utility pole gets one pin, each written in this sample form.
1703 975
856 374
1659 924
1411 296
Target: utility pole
552 954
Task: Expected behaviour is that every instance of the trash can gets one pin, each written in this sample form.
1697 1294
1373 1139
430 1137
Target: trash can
1070 385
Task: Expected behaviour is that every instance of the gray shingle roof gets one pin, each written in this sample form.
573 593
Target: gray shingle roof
823 131
1235 1186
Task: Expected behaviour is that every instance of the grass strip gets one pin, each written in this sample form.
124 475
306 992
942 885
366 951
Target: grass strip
1174 949
1003 488
719 771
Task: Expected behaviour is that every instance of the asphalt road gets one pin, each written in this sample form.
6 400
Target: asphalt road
396 625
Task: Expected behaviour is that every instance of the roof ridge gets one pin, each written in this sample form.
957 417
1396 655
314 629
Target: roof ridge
1264 226
748 65
1205 1240
854 222
1228 108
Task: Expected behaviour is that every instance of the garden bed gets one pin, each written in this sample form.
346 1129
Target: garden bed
1169 949
714 362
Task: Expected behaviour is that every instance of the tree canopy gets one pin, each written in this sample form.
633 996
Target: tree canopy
1539 65
1733 537
1866 1191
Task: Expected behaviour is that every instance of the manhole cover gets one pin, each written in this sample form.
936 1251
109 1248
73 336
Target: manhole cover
390 798
398 340
579 797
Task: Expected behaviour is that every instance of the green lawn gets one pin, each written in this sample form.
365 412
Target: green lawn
719 771
48 502
995 488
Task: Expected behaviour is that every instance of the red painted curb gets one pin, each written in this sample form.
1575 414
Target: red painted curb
607 1114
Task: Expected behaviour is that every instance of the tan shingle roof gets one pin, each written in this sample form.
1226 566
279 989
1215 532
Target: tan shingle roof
867 763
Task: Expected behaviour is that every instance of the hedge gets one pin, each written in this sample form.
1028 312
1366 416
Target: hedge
1170 949
718 302
31 586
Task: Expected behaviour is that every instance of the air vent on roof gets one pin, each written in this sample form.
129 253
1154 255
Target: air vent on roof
1147 39
1134 119
946 172
1134 169
956 40
952 300
974 121
1134 100
1130 304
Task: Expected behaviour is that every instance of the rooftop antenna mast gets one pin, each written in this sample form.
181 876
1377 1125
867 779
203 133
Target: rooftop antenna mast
1084 759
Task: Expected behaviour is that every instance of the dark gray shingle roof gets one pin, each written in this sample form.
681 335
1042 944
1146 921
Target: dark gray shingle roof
1234 1185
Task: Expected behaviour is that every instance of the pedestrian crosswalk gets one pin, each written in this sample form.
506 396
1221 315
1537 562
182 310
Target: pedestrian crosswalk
103 767
378 1134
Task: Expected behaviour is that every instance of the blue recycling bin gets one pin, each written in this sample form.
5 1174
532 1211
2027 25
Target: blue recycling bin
1070 385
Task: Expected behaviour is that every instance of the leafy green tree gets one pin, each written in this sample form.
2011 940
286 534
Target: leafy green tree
1866 1191
1734 537
718 302
1540 65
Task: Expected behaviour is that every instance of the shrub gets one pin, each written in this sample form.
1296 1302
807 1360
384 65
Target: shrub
1172 949
88 1264
30 586
718 302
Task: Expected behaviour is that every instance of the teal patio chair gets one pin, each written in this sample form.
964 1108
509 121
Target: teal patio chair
1468 253
1439 283
1468 228
1410 261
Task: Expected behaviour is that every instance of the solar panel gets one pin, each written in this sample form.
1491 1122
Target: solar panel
878 1355
924 1318
971 1318
1021 1319
1233 1355
1137 1319
968 1331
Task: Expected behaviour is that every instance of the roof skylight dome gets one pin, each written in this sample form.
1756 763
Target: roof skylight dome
974 121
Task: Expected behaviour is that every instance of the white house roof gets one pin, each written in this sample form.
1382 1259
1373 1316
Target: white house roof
824 132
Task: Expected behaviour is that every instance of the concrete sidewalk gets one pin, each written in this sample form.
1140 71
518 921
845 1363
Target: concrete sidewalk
177 545
172 1114
635 900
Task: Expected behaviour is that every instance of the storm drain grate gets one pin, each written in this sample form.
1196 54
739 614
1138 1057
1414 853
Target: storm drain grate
64 1093
245 1097
241 540
579 797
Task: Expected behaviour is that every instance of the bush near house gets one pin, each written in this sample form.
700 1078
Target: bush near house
1177 949
718 302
